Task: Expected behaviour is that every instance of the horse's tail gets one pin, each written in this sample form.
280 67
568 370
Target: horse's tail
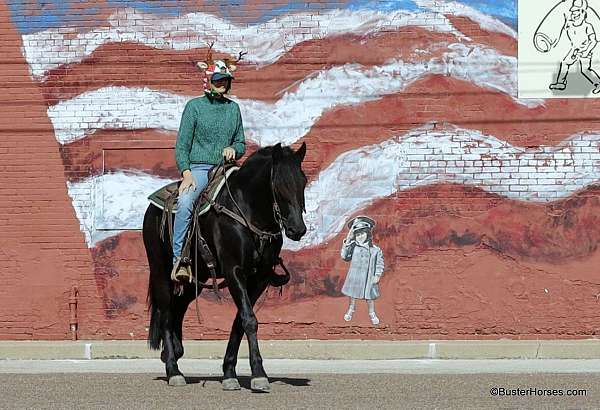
154 253
154 334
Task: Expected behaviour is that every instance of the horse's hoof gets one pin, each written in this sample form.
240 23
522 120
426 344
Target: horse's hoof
231 384
178 380
260 384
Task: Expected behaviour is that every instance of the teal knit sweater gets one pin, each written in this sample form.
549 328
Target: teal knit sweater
208 125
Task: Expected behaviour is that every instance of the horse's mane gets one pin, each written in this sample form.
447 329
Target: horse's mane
263 154
287 183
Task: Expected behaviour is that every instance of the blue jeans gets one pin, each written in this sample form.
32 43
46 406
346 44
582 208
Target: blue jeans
185 205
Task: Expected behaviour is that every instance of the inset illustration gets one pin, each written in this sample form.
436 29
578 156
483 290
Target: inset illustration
576 24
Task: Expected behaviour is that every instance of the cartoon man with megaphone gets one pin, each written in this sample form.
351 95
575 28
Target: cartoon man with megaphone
582 35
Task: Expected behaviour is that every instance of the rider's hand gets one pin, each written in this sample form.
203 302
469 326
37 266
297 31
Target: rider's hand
188 182
229 153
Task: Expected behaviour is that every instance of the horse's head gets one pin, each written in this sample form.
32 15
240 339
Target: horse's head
289 182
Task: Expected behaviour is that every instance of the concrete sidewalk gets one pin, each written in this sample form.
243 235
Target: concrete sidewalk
313 349
295 366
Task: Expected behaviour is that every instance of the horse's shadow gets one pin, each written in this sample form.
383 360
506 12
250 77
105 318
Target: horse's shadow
244 380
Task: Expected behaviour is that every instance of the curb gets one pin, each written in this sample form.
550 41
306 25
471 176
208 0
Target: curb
311 349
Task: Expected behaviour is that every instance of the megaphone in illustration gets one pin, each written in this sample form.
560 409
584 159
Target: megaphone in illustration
551 28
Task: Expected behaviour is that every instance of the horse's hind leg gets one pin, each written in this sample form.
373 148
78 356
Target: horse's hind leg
168 355
179 307
178 334
160 293
245 322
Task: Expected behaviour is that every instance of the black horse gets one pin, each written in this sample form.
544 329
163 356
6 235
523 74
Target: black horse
268 192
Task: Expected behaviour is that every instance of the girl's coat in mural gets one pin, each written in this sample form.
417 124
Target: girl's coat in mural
366 267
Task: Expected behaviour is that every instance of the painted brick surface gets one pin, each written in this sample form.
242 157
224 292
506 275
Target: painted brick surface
43 250
486 205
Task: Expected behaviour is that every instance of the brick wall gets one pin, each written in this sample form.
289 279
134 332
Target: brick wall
485 205
43 250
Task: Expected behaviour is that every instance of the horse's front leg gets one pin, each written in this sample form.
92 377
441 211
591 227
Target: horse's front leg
230 381
239 292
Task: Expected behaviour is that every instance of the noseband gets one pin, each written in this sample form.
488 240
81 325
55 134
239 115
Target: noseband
276 210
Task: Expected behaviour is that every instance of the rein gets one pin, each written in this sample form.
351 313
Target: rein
240 217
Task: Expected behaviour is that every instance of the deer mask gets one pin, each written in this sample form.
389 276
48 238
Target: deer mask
215 70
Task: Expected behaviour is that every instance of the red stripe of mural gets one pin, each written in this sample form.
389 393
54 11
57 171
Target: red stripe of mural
42 250
460 263
136 65
504 43
150 151
443 100
452 216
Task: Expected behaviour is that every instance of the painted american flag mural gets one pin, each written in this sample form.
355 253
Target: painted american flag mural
485 203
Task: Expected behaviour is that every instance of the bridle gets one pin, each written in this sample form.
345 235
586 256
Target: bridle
240 217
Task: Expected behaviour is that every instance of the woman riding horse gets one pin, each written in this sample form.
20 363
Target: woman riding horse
267 195
211 129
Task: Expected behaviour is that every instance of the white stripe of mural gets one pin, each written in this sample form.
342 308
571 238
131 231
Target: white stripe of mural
362 176
453 8
292 116
265 42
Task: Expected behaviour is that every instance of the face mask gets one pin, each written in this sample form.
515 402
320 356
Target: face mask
217 91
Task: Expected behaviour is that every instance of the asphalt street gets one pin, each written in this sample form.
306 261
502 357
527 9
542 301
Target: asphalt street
67 385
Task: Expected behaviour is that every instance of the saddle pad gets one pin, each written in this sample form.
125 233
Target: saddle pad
159 197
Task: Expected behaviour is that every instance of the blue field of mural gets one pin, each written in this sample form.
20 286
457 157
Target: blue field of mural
41 15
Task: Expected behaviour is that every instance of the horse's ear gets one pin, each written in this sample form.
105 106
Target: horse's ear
277 152
301 152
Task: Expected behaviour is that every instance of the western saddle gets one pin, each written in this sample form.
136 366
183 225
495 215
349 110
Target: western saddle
166 199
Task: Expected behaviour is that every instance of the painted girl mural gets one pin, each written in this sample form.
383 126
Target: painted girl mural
366 266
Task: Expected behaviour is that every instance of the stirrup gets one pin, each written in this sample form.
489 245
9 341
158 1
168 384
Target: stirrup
181 273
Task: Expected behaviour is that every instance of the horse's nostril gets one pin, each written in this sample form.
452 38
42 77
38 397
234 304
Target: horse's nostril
296 234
